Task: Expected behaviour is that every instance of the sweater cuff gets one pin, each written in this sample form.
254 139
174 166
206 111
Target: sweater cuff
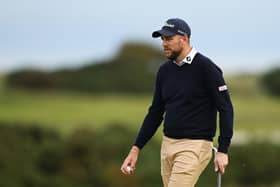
223 149
138 144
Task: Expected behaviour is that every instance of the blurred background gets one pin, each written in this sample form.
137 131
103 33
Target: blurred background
76 80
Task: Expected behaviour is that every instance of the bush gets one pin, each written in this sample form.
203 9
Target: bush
32 156
29 79
271 81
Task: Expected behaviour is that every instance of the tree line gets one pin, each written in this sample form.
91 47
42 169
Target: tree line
132 70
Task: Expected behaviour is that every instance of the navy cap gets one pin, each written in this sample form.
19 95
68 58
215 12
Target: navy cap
172 27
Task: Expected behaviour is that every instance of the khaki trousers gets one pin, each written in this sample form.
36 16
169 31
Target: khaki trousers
183 160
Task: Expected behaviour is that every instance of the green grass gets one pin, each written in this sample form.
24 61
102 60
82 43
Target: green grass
245 85
256 115
1 82
69 110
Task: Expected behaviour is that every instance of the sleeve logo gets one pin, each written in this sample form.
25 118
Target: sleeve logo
222 88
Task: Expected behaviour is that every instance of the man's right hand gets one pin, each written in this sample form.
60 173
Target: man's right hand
129 163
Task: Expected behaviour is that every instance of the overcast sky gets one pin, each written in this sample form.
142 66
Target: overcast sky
237 35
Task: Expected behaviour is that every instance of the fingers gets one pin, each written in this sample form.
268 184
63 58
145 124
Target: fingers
127 169
128 165
216 166
221 162
220 167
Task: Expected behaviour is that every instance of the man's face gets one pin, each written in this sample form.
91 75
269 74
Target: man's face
172 46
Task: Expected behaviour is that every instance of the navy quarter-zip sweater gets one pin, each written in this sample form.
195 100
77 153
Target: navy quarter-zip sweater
190 96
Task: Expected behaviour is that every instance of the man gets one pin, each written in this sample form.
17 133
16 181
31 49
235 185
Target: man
190 90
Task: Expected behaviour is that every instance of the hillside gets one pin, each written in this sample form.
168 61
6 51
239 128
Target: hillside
132 70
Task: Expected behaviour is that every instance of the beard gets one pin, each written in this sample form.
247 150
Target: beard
173 54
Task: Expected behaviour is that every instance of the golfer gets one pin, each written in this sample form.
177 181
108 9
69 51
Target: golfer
189 91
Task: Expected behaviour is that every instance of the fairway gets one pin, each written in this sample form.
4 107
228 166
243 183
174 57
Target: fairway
66 111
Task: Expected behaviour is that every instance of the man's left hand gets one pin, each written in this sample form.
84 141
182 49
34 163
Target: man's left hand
221 161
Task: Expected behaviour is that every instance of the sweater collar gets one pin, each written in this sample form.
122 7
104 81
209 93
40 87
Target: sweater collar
188 59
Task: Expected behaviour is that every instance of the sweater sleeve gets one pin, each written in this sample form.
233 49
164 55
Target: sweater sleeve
153 118
220 95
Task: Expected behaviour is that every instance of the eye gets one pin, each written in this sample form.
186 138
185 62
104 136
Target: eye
169 38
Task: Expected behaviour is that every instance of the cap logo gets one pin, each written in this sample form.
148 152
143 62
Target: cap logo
169 25
181 32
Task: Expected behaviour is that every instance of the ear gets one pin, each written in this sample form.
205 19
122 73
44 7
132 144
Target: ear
183 39
181 42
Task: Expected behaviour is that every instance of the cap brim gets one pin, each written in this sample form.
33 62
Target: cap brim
162 32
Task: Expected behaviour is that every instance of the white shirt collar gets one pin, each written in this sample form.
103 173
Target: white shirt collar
189 58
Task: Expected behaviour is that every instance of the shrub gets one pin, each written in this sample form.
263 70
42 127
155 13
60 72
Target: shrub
33 156
271 81
30 79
